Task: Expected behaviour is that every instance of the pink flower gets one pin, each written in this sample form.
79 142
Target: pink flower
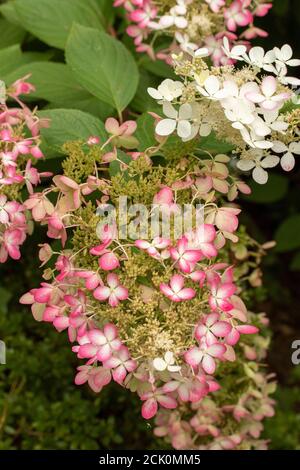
220 294
158 243
176 290
71 193
21 87
102 343
152 399
114 292
12 239
165 199
262 9
234 335
211 328
121 363
266 98
238 15
205 355
109 261
7 209
202 239
185 258
215 5
97 377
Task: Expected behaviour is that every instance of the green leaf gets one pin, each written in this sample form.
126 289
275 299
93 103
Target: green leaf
287 235
51 20
10 34
145 132
102 65
8 10
56 83
142 101
158 67
273 191
87 103
10 58
53 81
69 125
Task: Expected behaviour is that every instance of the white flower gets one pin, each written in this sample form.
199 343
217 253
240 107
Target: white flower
238 109
266 95
175 17
200 125
258 165
259 58
167 362
236 53
283 57
288 160
255 141
168 90
275 121
185 44
212 89
176 120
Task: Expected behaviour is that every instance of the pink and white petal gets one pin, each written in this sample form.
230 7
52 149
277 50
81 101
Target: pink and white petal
216 350
187 293
233 337
97 337
221 328
87 350
269 86
193 356
149 408
119 374
167 402
176 282
104 353
121 293
208 364
110 331
101 293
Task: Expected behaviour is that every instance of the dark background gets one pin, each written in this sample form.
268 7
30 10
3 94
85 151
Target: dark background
40 408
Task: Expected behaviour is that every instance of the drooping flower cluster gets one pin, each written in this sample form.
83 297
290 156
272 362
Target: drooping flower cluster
161 315
246 107
19 150
188 25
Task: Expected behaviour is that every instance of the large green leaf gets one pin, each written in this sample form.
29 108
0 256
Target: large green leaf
102 65
10 58
53 81
51 20
10 34
287 235
56 83
68 125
